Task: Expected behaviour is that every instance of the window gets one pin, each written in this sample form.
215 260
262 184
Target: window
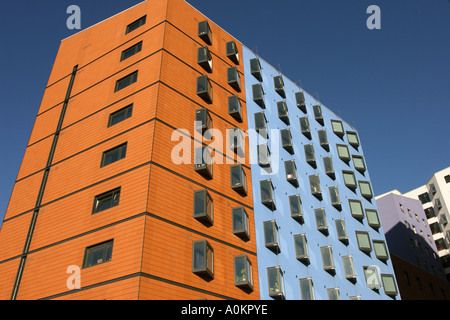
353 139
349 269
372 218
300 99
314 184
304 127
238 179
306 289
333 294
356 209
258 95
203 259
291 172
204 88
323 140
338 128
283 113
424 198
267 194
131 51
365 189
317 109
276 283
363 241
301 248
114 154
236 141
271 236
203 162
390 288
358 162
241 223
203 120
343 153
321 221
233 78
97 254
263 155
126 81
349 179
432 188
327 259
286 140
295 205
310 156
372 276
279 86
255 68
380 249
232 51
447 178
204 58
235 108
243 277
120 115
106 200
204 32
328 166
334 197
438 203
261 124
429 212
136 24
203 207
341 231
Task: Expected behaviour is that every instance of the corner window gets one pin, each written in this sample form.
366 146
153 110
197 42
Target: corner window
349 269
353 139
334 197
255 69
204 58
295 205
261 125
356 209
203 207
267 194
136 24
365 189
114 154
106 200
372 218
263 155
328 166
203 162
327 260
300 99
321 221
323 140
341 231
203 120
241 223
120 115
358 162
286 140
233 78
243 277
279 86
363 241
291 172
314 184
204 88
318 114
301 248
126 81
97 254
390 288
306 289
276 283
238 179
304 127
338 128
131 51
204 32
258 95
283 113
310 156
235 108
349 180
343 153
271 236
203 259
380 249
232 51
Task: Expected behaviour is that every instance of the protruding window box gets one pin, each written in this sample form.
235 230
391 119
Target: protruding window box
233 78
366 190
327 260
304 127
286 140
203 162
318 114
300 98
356 209
341 231
238 179
258 95
295 205
271 236
204 88
349 269
373 219
232 51
203 259
255 69
338 128
301 249
353 139
279 86
314 183
261 125
263 155
343 153
204 32
235 108
203 120
203 207
283 113
349 180
379 246
334 197
358 162
267 194
333 294
236 141
204 58
291 172
276 283
243 277
310 156
306 289
241 223
389 286
363 240
328 166
323 140
321 221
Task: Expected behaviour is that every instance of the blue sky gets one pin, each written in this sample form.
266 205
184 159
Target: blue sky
391 84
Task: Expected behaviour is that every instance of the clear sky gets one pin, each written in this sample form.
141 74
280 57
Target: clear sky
391 84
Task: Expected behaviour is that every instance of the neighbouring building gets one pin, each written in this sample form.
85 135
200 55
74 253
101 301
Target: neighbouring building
123 194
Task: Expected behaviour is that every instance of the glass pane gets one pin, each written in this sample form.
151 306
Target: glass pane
389 284
365 188
363 241
260 121
372 217
266 191
337 126
291 171
295 205
359 163
269 232
274 281
304 124
356 208
334 195
300 245
352 138
286 137
306 289
315 184
349 179
343 152
320 218
322 137
340 228
199 203
210 259
236 175
380 249
327 257
309 152
240 274
348 266
95 256
199 262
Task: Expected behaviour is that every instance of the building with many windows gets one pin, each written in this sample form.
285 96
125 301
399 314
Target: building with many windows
168 161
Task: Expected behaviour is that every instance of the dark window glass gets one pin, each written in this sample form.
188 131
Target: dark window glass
131 51
204 32
120 115
106 200
136 24
126 81
114 154
97 254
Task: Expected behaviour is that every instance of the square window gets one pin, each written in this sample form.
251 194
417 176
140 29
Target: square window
126 81
349 179
120 115
323 140
304 127
380 249
291 172
233 78
241 223
338 128
106 200
306 289
328 166
424 198
390 288
267 194
314 184
203 207
447 178
358 162
341 231
327 260
372 218
353 139
238 179
232 51
279 86
243 277
365 189
295 205
203 162
261 125
334 197
283 113
363 240
97 254
203 259
310 155
203 120
276 284
300 99
235 108
356 209
317 109
114 154
255 68
204 58
263 155
258 95
349 269
343 153
321 221
204 32
271 236
204 88
333 294
136 24
131 51
286 140
301 248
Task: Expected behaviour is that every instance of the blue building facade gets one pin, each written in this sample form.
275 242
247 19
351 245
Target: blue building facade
317 227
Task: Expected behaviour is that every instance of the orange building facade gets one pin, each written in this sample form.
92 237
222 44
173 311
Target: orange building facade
98 190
